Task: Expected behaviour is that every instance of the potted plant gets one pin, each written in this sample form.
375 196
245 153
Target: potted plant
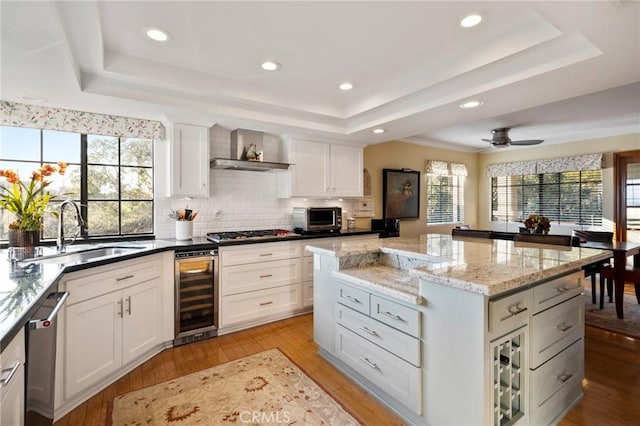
538 224
28 201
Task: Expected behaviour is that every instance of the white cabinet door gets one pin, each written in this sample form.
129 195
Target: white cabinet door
346 171
189 161
142 319
312 169
93 344
12 391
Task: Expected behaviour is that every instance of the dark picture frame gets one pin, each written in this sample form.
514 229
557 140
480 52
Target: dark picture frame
400 194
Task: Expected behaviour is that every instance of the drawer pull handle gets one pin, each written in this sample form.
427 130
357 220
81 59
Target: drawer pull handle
351 298
368 331
370 363
266 303
266 276
266 254
392 316
126 277
4 381
564 327
564 377
515 310
564 288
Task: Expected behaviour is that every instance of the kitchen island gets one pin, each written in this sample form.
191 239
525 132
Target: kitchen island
448 331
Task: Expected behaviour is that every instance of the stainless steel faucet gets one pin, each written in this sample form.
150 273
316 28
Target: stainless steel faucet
60 241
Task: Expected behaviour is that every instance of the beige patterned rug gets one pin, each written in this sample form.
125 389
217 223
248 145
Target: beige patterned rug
607 319
265 388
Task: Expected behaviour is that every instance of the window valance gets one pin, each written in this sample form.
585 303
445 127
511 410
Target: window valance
551 165
22 115
443 168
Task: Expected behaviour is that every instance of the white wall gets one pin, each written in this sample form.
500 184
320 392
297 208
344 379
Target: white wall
239 200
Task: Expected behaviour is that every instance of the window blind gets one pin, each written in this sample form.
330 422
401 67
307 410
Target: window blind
445 199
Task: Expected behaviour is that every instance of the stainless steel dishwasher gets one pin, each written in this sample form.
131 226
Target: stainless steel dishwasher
41 359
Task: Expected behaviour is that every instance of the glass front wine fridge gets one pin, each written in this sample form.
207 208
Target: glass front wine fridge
196 278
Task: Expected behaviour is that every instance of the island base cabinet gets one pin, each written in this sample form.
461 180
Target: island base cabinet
556 384
395 376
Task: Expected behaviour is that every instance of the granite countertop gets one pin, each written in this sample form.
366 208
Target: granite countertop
24 286
486 267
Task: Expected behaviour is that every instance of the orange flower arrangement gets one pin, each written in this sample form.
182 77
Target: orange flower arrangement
28 201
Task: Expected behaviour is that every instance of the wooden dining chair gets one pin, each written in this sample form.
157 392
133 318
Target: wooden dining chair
558 240
594 269
473 233
607 274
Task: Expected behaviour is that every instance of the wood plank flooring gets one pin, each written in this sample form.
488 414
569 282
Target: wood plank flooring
611 386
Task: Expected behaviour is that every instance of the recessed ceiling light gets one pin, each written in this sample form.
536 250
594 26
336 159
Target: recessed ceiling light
346 86
270 65
470 21
157 34
471 104
378 131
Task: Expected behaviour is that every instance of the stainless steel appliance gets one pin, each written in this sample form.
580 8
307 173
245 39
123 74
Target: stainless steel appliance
259 235
41 360
387 227
307 220
196 280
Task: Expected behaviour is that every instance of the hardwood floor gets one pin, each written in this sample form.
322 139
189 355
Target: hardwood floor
611 386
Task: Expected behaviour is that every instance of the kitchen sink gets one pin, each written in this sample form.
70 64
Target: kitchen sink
83 256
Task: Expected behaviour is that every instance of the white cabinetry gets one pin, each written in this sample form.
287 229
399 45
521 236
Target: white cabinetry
324 170
12 382
259 283
116 316
189 161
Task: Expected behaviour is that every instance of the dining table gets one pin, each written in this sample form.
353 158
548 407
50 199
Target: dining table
621 250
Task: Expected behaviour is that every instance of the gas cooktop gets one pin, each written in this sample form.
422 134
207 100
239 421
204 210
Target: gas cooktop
220 237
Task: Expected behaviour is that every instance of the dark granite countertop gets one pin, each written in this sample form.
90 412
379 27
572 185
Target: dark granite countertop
23 285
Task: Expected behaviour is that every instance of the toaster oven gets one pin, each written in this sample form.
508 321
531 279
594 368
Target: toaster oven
309 220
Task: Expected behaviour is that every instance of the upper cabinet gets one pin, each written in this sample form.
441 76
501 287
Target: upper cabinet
324 170
189 161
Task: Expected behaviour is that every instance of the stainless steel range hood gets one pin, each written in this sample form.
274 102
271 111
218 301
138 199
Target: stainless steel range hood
246 153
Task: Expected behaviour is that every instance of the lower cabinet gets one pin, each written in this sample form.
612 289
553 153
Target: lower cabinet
12 382
106 332
116 316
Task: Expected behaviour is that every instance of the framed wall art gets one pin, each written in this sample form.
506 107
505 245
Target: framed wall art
400 194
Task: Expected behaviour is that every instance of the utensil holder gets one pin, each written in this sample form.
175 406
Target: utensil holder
184 229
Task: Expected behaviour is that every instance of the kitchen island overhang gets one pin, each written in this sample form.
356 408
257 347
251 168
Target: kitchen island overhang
470 297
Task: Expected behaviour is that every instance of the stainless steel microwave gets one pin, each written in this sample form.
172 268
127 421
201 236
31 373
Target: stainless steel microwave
307 220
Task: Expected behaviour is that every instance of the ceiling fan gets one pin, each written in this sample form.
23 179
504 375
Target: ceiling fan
501 139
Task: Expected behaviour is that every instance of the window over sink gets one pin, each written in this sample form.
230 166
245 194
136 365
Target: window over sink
112 177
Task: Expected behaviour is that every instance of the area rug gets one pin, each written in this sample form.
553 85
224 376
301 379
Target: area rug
607 319
265 388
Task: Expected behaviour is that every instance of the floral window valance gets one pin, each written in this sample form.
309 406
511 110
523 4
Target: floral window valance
442 168
551 165
22 115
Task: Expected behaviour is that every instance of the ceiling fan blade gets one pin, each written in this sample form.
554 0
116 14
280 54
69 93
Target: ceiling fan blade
487 140
528 142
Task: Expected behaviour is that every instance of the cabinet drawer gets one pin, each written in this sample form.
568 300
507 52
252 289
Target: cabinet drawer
254 253
353 297
394 376
397 316
258 276
13 356
557 291
556 384
100 280
399 344
258 304
555 329
509 313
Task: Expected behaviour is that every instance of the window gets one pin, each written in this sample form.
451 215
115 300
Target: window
566 198
111 177
445 199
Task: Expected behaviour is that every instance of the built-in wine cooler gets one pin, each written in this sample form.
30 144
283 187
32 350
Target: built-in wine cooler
196 277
